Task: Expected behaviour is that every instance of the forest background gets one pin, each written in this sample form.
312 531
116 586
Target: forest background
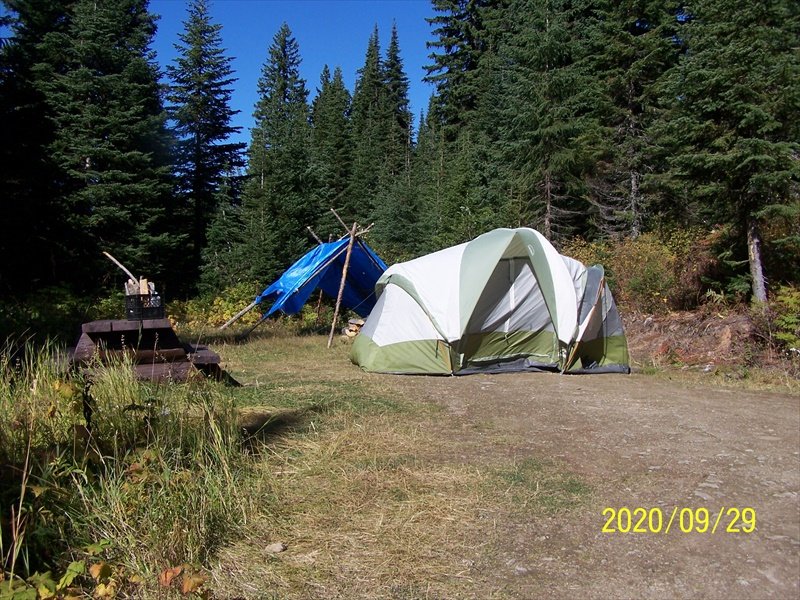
659 138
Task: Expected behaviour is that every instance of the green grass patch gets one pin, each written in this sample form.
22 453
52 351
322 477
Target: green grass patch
540 486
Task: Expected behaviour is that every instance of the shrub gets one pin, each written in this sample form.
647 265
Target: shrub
214 310
657 271
640 272
785 310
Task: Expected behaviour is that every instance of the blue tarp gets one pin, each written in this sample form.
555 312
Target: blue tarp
322 268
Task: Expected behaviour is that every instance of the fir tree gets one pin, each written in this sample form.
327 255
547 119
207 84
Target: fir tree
461 40
200 96
33 239
396 213
278 203
332 151
399 142
369 126
630 45
110 140
225 262
731 130
550 137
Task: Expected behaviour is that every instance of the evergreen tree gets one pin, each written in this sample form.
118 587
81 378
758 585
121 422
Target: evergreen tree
399 142
278 203
224 258
731 129
630 45
551 139
369 126
332 151
110 140
33 239
468 74
200 96
461 41
396 213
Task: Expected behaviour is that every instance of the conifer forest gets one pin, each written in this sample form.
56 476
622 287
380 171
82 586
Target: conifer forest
587 120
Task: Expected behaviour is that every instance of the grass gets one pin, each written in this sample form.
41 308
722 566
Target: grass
346 468
784 377
369 498
149 474
540 486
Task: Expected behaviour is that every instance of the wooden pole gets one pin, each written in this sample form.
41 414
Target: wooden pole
335 214
239 315
341 284
311 231
241 336
121 266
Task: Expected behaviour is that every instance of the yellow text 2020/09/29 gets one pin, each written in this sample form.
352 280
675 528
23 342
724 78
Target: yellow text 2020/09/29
686 520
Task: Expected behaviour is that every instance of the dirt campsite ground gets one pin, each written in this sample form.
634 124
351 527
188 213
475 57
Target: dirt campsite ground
638 443
495 486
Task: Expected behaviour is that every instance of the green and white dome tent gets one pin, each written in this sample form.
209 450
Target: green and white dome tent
506 301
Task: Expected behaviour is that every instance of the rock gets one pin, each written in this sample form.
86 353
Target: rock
276 548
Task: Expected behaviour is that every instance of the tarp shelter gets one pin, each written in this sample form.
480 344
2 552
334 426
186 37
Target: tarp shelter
506 301
322 268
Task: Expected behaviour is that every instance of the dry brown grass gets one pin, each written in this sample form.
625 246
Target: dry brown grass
365 512
360 498
370 497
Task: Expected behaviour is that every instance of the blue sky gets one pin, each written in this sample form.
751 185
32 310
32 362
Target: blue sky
332 32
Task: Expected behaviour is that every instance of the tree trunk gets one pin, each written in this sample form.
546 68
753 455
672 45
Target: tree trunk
756 261
548 212
635 203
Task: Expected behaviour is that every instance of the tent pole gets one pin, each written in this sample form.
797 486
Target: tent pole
239 315
346 228
311 231
241 336
341 284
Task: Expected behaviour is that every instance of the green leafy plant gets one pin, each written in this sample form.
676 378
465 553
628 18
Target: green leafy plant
786 310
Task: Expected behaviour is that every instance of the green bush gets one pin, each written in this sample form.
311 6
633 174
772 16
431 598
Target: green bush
214 310
640 272
785 308
655 272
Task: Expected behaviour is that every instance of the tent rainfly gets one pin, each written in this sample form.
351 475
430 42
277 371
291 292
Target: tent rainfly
506 301
322 268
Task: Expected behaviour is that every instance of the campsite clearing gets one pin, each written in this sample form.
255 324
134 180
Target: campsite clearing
494 486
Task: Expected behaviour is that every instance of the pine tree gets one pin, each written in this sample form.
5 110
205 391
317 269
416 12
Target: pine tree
332 151
200 97
33 239
110 140
278 203
630 45
369 125
731 129
550 137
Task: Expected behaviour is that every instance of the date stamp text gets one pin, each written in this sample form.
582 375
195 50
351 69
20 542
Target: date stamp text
685 520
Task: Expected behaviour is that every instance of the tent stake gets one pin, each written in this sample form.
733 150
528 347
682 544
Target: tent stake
344 277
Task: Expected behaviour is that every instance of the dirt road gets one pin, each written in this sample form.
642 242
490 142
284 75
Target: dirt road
638 442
